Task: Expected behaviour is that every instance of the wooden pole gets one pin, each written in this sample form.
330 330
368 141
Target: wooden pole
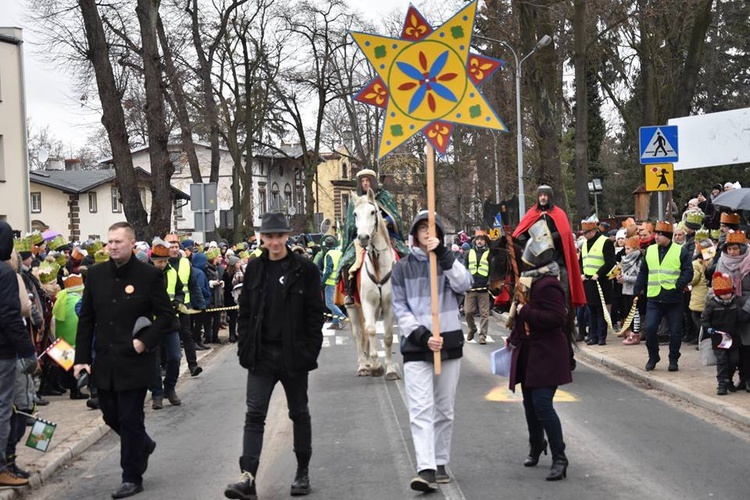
433 258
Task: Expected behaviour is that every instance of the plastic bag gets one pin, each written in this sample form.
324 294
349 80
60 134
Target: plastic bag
708 357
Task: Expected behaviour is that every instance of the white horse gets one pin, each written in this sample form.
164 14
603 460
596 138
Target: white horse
374 289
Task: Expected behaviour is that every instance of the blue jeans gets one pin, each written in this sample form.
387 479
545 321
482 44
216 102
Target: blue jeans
337 314
171 346
260 384
541 418
7 386
655 311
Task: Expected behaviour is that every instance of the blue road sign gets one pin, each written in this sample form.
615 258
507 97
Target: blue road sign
659 144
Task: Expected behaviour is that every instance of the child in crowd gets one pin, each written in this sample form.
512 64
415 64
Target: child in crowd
631 265
719 319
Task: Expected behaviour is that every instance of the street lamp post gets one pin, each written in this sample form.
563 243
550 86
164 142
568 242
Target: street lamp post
595 188
543 42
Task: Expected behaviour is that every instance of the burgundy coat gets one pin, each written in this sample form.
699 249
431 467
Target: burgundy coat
541 358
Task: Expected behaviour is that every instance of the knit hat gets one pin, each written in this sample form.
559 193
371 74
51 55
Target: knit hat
232 261
694 220
465 246
730 219
721 283
187 244
141 255
664 227
621 233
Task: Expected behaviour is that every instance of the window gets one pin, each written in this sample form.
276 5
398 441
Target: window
344 169
275 202
116 207
177 205
262 201
288 195
36 202
92 202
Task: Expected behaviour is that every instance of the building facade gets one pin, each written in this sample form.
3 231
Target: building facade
14 177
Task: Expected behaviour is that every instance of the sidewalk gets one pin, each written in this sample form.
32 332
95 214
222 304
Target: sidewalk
78 428
693 383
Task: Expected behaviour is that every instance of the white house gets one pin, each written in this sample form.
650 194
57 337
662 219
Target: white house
14 179
82 204
278 183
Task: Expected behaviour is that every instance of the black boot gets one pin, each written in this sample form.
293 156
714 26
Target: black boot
350 285
559 469
301 484
721 389
244 489
536 448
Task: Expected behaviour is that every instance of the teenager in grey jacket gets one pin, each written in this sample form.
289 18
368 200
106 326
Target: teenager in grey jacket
431 398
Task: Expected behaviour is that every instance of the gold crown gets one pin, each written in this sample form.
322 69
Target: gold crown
72 281
727 218
22 245
702 234
213 253
35 237
737 237
694 217
101 255
48 271
721 283
664 227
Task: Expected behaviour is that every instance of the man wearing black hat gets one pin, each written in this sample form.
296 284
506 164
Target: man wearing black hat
279 339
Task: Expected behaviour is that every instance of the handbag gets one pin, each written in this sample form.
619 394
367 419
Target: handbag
500 361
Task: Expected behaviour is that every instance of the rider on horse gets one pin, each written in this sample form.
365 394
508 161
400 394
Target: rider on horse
368 179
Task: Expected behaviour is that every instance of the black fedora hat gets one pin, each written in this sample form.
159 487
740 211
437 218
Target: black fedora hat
274 222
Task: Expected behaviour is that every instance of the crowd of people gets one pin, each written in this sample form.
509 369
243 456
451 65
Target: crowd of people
660 282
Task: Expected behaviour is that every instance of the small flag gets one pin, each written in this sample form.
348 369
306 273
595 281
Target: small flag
62 353
41 434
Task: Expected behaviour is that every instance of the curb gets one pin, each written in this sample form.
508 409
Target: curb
79 442
729 411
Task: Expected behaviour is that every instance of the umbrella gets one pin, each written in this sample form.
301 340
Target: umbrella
50 234
736 199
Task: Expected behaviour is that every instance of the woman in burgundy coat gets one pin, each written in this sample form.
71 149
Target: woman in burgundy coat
541 363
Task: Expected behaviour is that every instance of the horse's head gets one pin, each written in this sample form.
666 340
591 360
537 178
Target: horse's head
366 217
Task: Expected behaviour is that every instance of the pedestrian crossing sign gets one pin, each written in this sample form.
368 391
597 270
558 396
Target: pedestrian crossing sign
660 177
659 144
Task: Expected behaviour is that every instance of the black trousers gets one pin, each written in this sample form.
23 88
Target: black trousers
188 343
123 412
260 385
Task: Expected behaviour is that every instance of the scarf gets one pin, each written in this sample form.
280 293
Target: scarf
732 266
631 263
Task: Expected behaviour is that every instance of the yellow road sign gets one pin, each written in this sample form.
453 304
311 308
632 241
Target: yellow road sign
494 233
660 177
503 395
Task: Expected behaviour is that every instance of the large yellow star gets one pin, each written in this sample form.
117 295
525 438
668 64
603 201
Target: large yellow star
428 80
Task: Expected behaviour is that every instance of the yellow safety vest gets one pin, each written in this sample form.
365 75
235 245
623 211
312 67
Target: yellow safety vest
171 282
662 274
335 257
593 259
483 267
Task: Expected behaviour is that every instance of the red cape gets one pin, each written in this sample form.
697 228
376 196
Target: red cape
577 296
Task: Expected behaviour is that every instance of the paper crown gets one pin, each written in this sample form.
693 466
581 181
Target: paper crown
589 225
74 280
715 234
727 218
664 227
633 242
736 237
244 254
57 242
694 220
77 254
159 249
48 271
35 237
721 283
702 234
212 253
22 245
60 258
101 255
647 226
93 246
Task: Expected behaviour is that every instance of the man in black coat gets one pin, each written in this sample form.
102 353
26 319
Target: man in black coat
120 300
279 339
15 343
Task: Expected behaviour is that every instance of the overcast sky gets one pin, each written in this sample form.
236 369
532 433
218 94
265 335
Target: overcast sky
52 100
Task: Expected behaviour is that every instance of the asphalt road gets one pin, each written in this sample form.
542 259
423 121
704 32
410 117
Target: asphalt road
623 442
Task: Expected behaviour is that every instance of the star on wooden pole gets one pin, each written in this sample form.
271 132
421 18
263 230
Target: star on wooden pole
427 80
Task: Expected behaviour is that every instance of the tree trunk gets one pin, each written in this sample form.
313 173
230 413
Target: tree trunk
689 78
113 118
581 143
178 103
158 135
